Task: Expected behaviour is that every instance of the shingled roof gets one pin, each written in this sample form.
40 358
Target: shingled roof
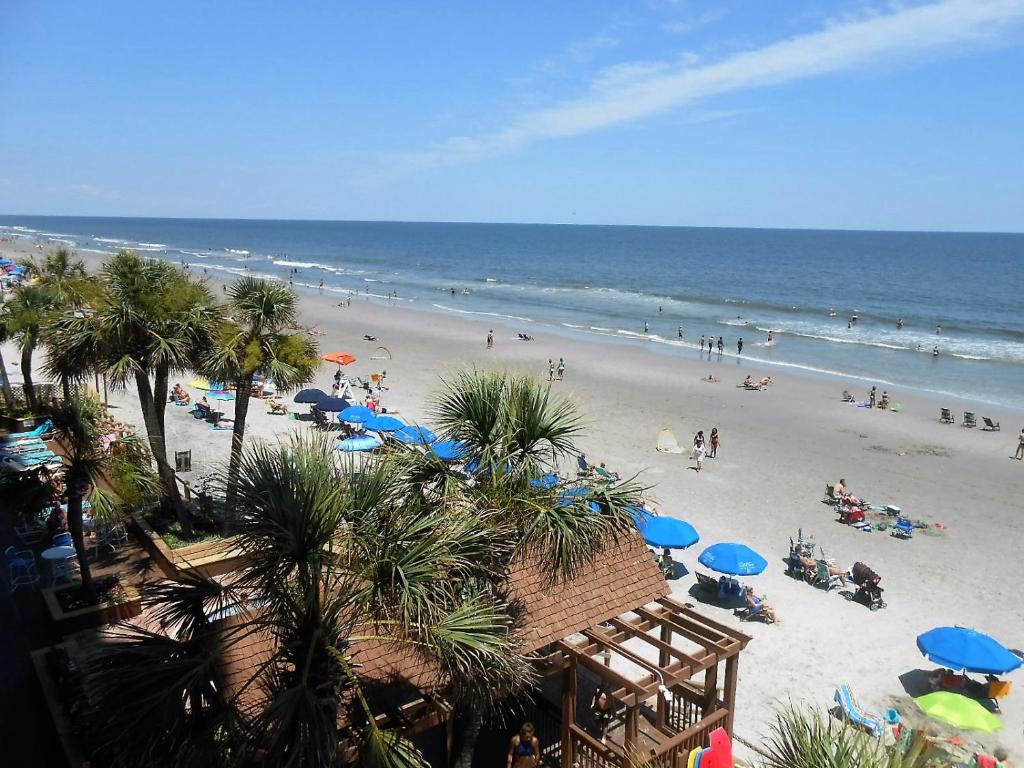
622 578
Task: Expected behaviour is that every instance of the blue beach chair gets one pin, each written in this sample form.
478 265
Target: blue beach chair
852 712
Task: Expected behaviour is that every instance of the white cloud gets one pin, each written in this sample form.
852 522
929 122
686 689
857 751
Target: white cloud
632 91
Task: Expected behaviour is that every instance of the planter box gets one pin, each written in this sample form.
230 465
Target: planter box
210 558
93 615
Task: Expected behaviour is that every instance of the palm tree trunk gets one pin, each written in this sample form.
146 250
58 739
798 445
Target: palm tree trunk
473 722
161 380
8 392
158 446
26 375
242 387
66 386
76 493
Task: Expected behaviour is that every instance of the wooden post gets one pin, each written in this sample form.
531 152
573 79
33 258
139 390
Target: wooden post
710 690
731 670
449 738
632 734
663 661
568 711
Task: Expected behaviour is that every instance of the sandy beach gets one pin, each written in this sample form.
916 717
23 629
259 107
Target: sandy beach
779 447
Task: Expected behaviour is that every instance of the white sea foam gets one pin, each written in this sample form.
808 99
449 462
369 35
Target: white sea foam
156 246
111 240
237 251
303 264
483 314
572 325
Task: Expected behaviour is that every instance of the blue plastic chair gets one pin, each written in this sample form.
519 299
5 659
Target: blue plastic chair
21 566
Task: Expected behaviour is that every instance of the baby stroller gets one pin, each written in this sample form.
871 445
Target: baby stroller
868 592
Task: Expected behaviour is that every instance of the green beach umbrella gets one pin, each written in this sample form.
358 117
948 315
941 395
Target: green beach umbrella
959 711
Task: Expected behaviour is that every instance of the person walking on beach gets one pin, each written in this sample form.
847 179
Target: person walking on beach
1019 455
561 369
739 346
872 394
698 449
321 286
721 345
551 369
646 327
711 344
713 443
490 339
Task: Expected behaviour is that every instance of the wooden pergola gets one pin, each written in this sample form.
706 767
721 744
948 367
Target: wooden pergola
675 698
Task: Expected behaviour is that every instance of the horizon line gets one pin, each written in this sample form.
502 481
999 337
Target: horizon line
769 228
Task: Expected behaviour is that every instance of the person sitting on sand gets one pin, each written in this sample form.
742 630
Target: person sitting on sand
749 381
759 605
844 495
180 394
223 423
710 378
765 381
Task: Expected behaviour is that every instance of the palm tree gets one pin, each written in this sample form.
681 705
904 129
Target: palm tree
149 321
88 465
31 307
6 334
65 278
255 339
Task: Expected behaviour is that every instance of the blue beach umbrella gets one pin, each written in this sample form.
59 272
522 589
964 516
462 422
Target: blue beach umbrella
579 490
967 649
733 559
353 414
222 395
665 532
449 450
360 443
309 396
568 498
544 482
382 423
475 466
414 435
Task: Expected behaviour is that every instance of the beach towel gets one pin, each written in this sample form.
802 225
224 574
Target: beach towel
667 443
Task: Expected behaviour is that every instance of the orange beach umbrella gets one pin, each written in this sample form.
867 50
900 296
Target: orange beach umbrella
341 358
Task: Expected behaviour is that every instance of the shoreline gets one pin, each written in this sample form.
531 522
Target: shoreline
779 448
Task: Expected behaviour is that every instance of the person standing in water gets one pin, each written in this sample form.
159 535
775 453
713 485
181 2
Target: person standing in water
935 351
899 324
646 327
938 329
739 346
721 345
680 333
770 337
702 343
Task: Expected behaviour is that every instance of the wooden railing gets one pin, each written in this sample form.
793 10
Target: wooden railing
588 752
686 708
673 752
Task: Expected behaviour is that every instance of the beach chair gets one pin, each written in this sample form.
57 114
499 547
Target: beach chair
754 609
970 420
583 468
991 426
903 528
604 474
40 431
830 495
21 568
823 578
707 583
847 397
854 714
275 408
946 416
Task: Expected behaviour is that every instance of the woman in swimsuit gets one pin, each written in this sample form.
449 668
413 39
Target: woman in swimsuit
524 749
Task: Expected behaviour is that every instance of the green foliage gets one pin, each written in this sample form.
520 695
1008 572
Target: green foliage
809 738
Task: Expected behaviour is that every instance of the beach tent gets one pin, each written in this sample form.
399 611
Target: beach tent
381 353
667 442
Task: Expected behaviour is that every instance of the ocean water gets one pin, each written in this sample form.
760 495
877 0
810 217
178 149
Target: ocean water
604 283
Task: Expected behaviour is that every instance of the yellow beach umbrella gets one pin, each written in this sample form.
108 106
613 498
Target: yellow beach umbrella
959 711
199 384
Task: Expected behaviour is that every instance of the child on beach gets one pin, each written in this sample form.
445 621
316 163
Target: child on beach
490 339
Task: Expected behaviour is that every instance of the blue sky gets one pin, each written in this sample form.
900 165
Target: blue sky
892 115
